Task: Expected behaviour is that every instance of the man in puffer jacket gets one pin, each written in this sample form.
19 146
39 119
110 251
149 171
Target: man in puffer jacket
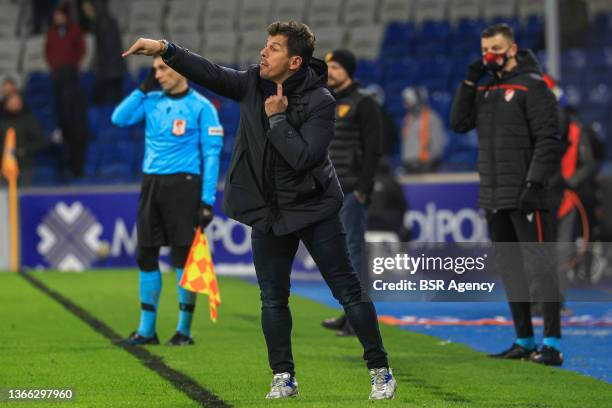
515 115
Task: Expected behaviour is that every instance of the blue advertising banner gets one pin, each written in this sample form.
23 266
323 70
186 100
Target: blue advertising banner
76 229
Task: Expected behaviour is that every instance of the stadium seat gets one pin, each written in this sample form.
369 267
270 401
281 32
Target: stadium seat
288 10
359 12
530 8
9 18
34 55
573 94
220 16
429 10
598 7
441 101
398 41
463 10
191 41
324 13
365 41
255 15
600 95
434 30
184 16
368 72
499 9
250 46
145 16
10 53
221 47
406 70
396 11
573 61
329 39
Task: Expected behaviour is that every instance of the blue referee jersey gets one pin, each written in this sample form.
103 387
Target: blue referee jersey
182 134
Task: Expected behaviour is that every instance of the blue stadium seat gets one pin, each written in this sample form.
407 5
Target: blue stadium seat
472 28
87 80
441 101
46 175
368 72
116 173
435 29
406 71
398 40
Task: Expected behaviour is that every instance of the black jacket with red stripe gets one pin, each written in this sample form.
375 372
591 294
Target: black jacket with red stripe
518 133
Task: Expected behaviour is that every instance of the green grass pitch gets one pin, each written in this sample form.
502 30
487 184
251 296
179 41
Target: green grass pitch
43 345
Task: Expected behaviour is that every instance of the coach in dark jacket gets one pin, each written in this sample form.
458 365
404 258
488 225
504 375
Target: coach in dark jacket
282 183
515 115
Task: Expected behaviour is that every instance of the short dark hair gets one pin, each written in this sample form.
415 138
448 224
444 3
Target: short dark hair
300 39
504 29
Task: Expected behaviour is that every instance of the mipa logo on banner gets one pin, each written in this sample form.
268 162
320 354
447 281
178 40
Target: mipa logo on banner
70 237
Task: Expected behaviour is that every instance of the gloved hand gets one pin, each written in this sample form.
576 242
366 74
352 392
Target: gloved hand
204 216
532 198
149 83
476 70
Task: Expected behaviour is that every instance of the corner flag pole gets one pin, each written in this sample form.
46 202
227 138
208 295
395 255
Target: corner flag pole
10 171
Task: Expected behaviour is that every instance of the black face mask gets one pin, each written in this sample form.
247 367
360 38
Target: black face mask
495 62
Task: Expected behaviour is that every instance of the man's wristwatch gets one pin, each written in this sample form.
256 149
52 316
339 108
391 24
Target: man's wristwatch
163 47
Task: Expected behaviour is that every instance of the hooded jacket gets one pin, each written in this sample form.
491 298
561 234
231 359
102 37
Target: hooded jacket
280 179
518 133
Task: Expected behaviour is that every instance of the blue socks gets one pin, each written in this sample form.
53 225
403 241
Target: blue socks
150 285
187 301
526 342
553 342
529 342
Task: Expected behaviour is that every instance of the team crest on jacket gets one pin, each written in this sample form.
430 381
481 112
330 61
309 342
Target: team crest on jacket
343 109
178 127
509 94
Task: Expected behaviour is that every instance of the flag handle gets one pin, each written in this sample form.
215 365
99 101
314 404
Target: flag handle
14 224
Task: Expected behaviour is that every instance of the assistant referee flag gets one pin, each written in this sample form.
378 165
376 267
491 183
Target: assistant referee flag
199 273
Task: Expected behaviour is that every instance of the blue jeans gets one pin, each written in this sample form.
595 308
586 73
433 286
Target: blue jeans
354 218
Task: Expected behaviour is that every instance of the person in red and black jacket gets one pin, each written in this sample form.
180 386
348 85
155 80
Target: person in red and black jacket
515 115
64 51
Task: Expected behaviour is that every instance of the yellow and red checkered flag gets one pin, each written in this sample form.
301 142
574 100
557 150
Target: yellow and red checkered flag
199 273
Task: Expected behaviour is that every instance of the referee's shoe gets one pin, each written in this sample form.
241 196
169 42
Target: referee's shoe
179 339
136 339
515 352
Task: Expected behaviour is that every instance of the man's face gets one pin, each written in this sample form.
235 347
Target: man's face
59 18
498 44
336 75
275 63
13 103
8 87
168 79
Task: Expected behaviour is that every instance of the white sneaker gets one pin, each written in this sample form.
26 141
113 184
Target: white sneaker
283 386
383 383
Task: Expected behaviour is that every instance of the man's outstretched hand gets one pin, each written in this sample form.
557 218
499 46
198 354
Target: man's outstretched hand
145 46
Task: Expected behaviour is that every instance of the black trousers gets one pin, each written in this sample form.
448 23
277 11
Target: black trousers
273 257
72 117
528 264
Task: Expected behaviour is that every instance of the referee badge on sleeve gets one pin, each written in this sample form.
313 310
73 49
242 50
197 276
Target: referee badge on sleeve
215 131
178 127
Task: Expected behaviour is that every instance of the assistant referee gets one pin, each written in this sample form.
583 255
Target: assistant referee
183 140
